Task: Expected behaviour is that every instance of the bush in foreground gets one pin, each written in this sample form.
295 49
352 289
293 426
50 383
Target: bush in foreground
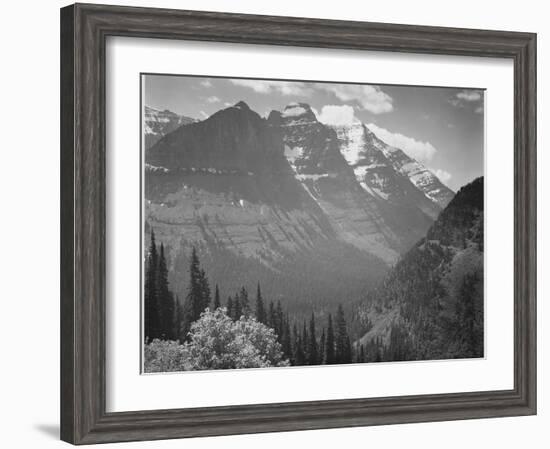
217 342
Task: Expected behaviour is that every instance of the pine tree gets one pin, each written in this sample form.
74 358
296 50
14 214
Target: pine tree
347 356
361 357
279 316
177 319
313 356
295 339
305 343
260 310
271 319
151 319
299 357
165 299
379 356
237 309
286 339
194 301
329 344
340 349
244 302
229 307
322 345
205 295
217 303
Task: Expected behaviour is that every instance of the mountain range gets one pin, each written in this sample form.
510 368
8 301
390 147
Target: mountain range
317 214
159 123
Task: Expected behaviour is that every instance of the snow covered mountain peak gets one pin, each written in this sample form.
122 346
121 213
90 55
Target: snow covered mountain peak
374 161
298 113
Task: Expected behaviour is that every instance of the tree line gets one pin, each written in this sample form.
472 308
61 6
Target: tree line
303 343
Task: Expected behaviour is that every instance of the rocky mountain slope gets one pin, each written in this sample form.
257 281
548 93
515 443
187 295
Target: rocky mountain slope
277 201
157 124
430 305
388 173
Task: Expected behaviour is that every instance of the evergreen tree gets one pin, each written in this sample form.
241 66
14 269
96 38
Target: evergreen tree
286 339
341 335
329 344
313 356
229 307
217 303
271 319
347 356
379 356
177 319
322 345
295 338
299 357
165 299
361 357
244 302
205 294
237 309
151 319
279 318
305 343
194 302
260 310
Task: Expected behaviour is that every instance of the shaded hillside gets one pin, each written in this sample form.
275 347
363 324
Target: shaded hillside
430 306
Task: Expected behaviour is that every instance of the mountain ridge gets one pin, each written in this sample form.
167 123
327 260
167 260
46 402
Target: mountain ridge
158 123
276 200
430 305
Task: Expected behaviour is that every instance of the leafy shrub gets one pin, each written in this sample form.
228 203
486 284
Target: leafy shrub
217 342
161 356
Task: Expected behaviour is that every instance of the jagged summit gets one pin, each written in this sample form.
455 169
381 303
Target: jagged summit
379 167
241 105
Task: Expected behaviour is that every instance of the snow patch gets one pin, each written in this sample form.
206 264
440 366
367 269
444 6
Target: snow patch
294 111
155 169
315 177
352 142
294 153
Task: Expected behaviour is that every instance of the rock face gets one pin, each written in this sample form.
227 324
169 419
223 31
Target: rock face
157 124
388 173
278 201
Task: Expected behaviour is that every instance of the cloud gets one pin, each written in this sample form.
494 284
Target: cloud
444 176
370 98
462 98
336 115
421 151
206 83
469 95
213 99
479 110
227 104
270 86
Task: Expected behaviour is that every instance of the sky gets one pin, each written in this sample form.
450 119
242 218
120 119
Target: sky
441 127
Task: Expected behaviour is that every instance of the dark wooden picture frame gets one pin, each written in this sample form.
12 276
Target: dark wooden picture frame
84 29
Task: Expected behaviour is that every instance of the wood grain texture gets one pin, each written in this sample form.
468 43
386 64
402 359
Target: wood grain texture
84 29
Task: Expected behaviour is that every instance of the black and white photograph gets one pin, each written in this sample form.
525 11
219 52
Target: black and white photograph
292 223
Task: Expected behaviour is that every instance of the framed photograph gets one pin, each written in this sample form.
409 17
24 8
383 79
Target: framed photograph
275 223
